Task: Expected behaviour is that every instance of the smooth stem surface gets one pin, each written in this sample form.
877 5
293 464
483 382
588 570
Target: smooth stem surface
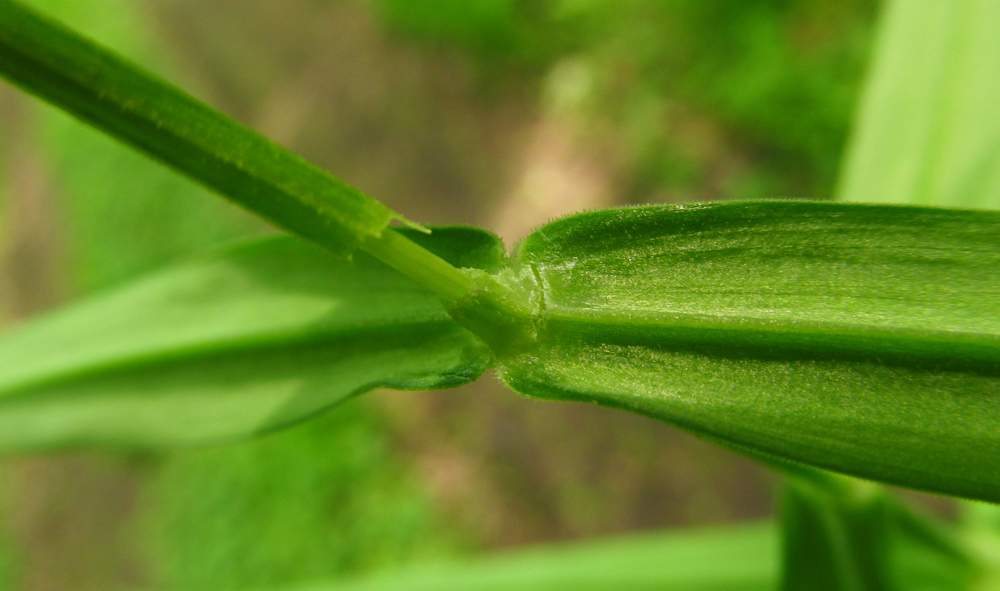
419 264
136 107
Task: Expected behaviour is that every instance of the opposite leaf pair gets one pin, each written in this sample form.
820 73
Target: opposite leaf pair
863 339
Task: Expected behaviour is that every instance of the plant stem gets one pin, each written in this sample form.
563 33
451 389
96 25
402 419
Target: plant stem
418 263
136 107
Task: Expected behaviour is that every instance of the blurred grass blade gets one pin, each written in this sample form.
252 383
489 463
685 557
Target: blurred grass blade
739 558
979 525
732 558
138 108
928 129
928 554
860 339
833 542
844 534
249 340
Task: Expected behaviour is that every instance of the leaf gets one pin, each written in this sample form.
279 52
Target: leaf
927 554
928 130
928 133
834 542
252 339
843 534
121 99
860 339
730 558
735 558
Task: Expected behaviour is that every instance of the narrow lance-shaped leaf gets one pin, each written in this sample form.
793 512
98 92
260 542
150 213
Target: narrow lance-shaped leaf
860 339
245 341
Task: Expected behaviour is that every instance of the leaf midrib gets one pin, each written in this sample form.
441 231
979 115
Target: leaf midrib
835 339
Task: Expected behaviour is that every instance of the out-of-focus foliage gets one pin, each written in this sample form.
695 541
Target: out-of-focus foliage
502 33
929 127
979 525
682 82
9 561
123 214
328 497
841 534
734 558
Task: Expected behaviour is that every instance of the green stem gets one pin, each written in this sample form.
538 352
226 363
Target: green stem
138 108
419 264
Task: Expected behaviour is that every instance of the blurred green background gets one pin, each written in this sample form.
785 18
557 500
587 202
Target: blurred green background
502 113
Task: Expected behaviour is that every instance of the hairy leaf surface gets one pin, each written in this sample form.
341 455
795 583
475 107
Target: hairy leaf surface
249 340
860 339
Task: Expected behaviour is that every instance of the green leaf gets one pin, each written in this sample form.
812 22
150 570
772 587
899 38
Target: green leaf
928 130
731 558
860 339
136 107
928 555
844 534
834 542
737 558
238 343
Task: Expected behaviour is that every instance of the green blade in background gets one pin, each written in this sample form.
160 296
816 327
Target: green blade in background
841 534
860 339
833 540
731 558
255 338
735 558
928 128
